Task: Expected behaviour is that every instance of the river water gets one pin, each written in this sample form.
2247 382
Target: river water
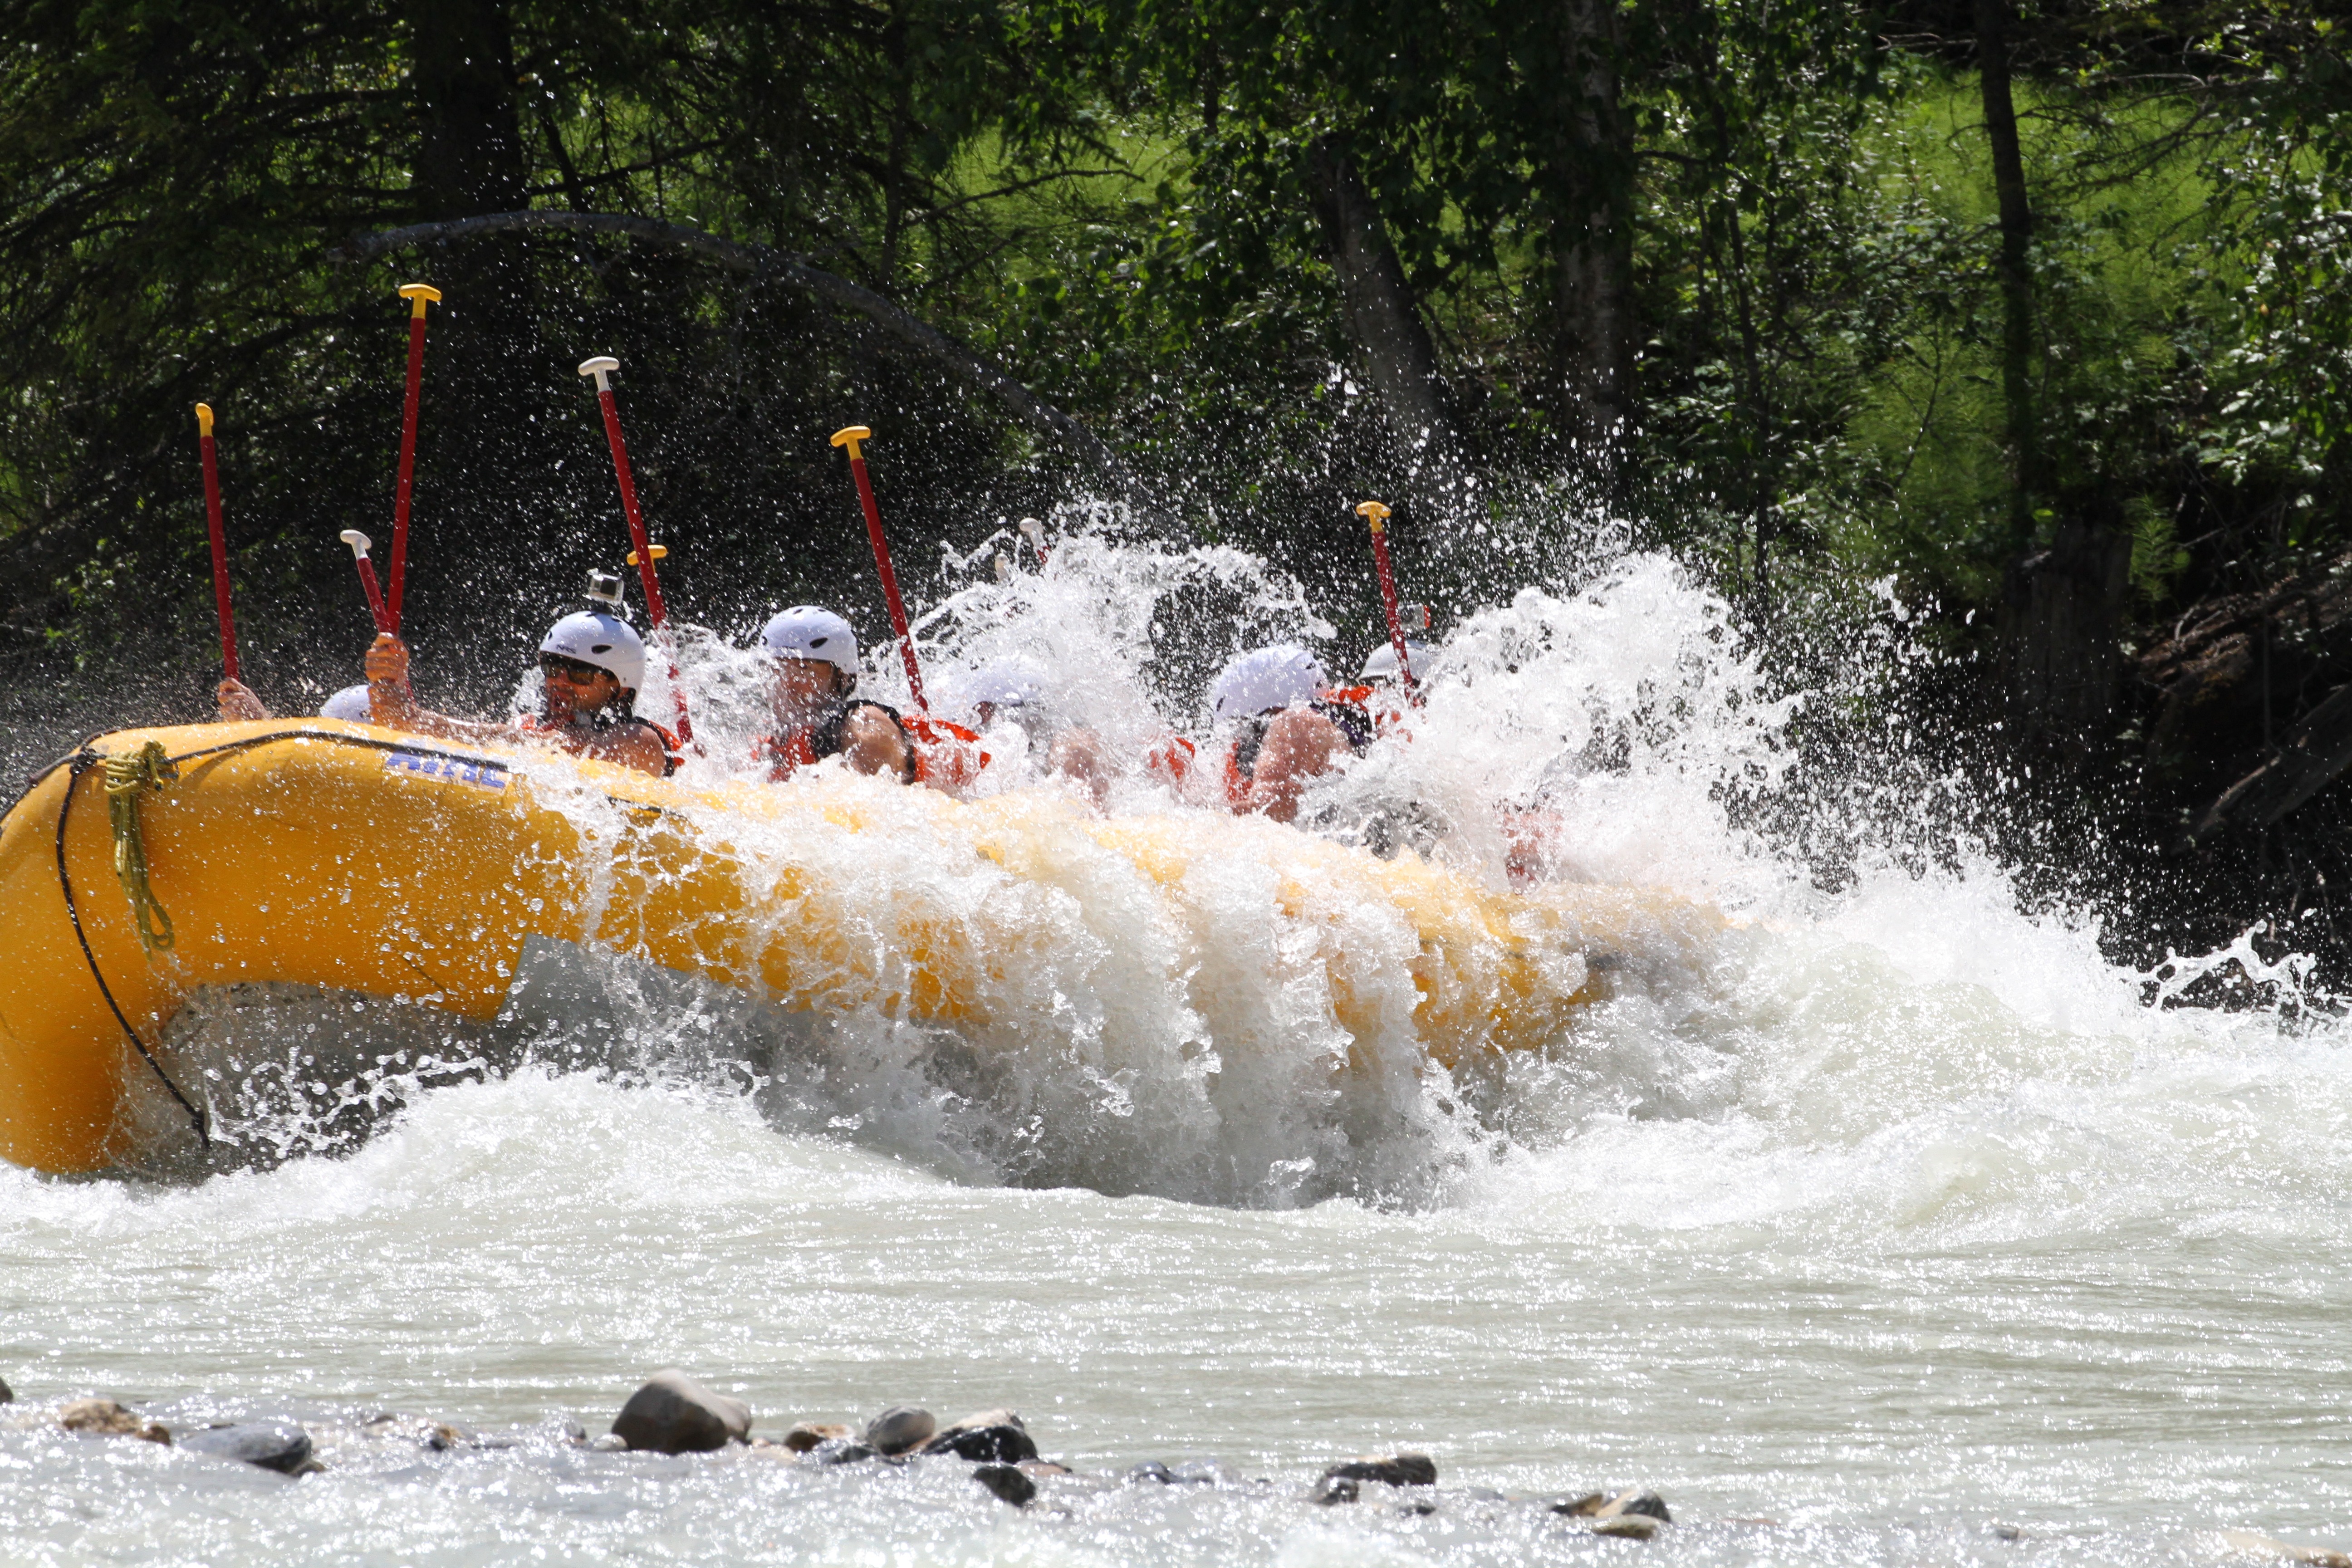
1891 1225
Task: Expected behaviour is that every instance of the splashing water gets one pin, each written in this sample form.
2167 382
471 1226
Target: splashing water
1883 1212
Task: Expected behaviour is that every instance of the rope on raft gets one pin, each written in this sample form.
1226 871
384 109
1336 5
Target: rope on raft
127 779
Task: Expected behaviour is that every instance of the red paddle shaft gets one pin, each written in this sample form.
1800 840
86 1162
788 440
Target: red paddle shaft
1377 515
850 438
359 543
418 294
645 555
220 543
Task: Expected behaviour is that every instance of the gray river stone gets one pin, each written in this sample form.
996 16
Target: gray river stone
105 1418
807 1434
672 1414
279 1446
900 1429
1005 1445
1394 1470
1007 1482
841 1451
5 1396
1628 1527
1616 1505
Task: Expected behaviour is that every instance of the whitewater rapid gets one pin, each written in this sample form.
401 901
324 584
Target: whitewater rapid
1891 1225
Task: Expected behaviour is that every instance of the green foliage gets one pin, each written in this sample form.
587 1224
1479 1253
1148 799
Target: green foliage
1117 198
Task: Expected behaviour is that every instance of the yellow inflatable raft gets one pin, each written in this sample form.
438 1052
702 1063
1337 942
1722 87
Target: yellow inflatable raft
157 862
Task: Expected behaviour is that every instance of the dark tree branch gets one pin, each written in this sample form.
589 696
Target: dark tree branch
760 261
2314 754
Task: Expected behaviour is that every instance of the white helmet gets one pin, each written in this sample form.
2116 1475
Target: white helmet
1266 678
350 704
812 632
601 638
1006 686
1382 663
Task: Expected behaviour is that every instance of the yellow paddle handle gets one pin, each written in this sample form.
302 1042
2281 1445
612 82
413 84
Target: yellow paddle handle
659 552
419 295
850 435
1376 513
203 418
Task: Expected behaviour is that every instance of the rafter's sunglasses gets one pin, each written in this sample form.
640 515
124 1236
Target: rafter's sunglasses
555 666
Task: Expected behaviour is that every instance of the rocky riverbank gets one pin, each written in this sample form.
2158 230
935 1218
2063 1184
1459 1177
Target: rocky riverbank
673 1416
673 1419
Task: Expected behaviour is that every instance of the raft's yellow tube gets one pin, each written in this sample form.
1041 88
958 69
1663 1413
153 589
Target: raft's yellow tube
332 854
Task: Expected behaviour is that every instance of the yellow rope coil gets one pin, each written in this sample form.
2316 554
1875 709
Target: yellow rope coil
127 778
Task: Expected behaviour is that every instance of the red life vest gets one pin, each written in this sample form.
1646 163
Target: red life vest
784 755
1172 760
947 756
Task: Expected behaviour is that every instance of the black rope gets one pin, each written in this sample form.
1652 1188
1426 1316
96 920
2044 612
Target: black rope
83 761
81 764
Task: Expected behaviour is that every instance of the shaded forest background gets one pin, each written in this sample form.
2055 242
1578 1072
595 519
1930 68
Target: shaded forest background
2034 317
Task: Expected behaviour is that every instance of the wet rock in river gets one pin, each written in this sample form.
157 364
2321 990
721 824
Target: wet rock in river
1000 1417
806 1434
900 1429
279 1446
1395 1470
5 1396
672 1414
841 1451
2247 1542
992 1445
1628 1527
1335 1489
105 1418
1007 1482
1152 1472
1616 1505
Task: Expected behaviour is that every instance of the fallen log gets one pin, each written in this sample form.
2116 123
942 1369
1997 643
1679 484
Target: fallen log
2318 751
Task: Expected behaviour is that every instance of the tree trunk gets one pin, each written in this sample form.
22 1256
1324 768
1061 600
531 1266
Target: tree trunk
1384 320
2059 622
469 158
1591 239
485 492
2015 268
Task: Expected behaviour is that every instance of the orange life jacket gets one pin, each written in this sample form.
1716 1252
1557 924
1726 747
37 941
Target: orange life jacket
1170 760
947 755
784 755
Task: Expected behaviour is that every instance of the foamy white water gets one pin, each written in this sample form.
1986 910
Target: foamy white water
1890 1217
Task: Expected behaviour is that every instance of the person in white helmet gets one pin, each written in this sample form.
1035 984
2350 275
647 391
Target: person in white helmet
1286 729
812 697
237 701
350 704
1380 690
592 663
